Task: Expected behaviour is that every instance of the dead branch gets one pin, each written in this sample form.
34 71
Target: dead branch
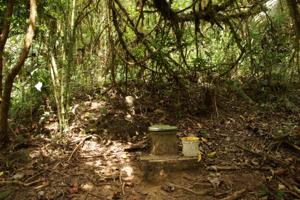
94 195
36 175
293 146
235 195
220 168
263 155
78 146
188 190
20 182
291 189
123 188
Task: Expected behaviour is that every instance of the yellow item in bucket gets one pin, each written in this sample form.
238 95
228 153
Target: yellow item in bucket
191 138
190 146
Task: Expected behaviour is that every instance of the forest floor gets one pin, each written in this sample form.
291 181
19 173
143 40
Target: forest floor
248 153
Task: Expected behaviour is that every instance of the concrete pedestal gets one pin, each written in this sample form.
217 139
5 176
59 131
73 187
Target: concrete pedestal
152 165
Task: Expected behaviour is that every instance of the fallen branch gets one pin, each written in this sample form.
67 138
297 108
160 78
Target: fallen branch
291 189
220 168
293 146
19 183
232 168
123 188
78 146
122 183
235 195
263 155
94 195
188 190
35 175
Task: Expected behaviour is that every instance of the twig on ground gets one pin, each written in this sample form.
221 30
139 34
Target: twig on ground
235 195
218 168
293 146
188 190
107 90
238 167
86 196
291 189
122 183
263 155
123 188
20 182
44 184
35 175
78 146
14 135
58 172
94 195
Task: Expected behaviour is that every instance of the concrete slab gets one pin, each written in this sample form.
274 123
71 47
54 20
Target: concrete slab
154 165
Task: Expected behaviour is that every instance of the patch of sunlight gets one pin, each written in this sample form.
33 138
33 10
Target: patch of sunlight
271 4
96 105
98 171
35 153
74 108
109 163
110 160
128 117
128 171
92 146
90 163
87 187
117 147
97 163
124 155
52 126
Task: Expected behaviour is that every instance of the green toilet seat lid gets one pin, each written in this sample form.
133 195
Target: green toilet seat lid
161 128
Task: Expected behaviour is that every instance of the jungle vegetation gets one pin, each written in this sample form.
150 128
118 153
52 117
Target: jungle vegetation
53 50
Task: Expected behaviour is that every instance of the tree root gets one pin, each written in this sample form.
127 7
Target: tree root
235 195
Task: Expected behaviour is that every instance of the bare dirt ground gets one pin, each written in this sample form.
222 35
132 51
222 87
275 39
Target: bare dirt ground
248 153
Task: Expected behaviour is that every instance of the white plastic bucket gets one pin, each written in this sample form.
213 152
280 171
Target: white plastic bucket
190 146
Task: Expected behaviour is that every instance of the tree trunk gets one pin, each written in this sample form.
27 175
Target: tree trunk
55 77
3 38
8 84
70 50
295 15
294 12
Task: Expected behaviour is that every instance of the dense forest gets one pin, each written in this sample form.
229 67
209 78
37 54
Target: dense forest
81 81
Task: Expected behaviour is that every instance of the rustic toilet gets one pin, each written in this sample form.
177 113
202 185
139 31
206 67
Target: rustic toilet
164 154
164 140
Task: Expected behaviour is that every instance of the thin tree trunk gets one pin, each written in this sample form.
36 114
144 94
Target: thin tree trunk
8 84
3 38
70 32
294 12
112 50
56 90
